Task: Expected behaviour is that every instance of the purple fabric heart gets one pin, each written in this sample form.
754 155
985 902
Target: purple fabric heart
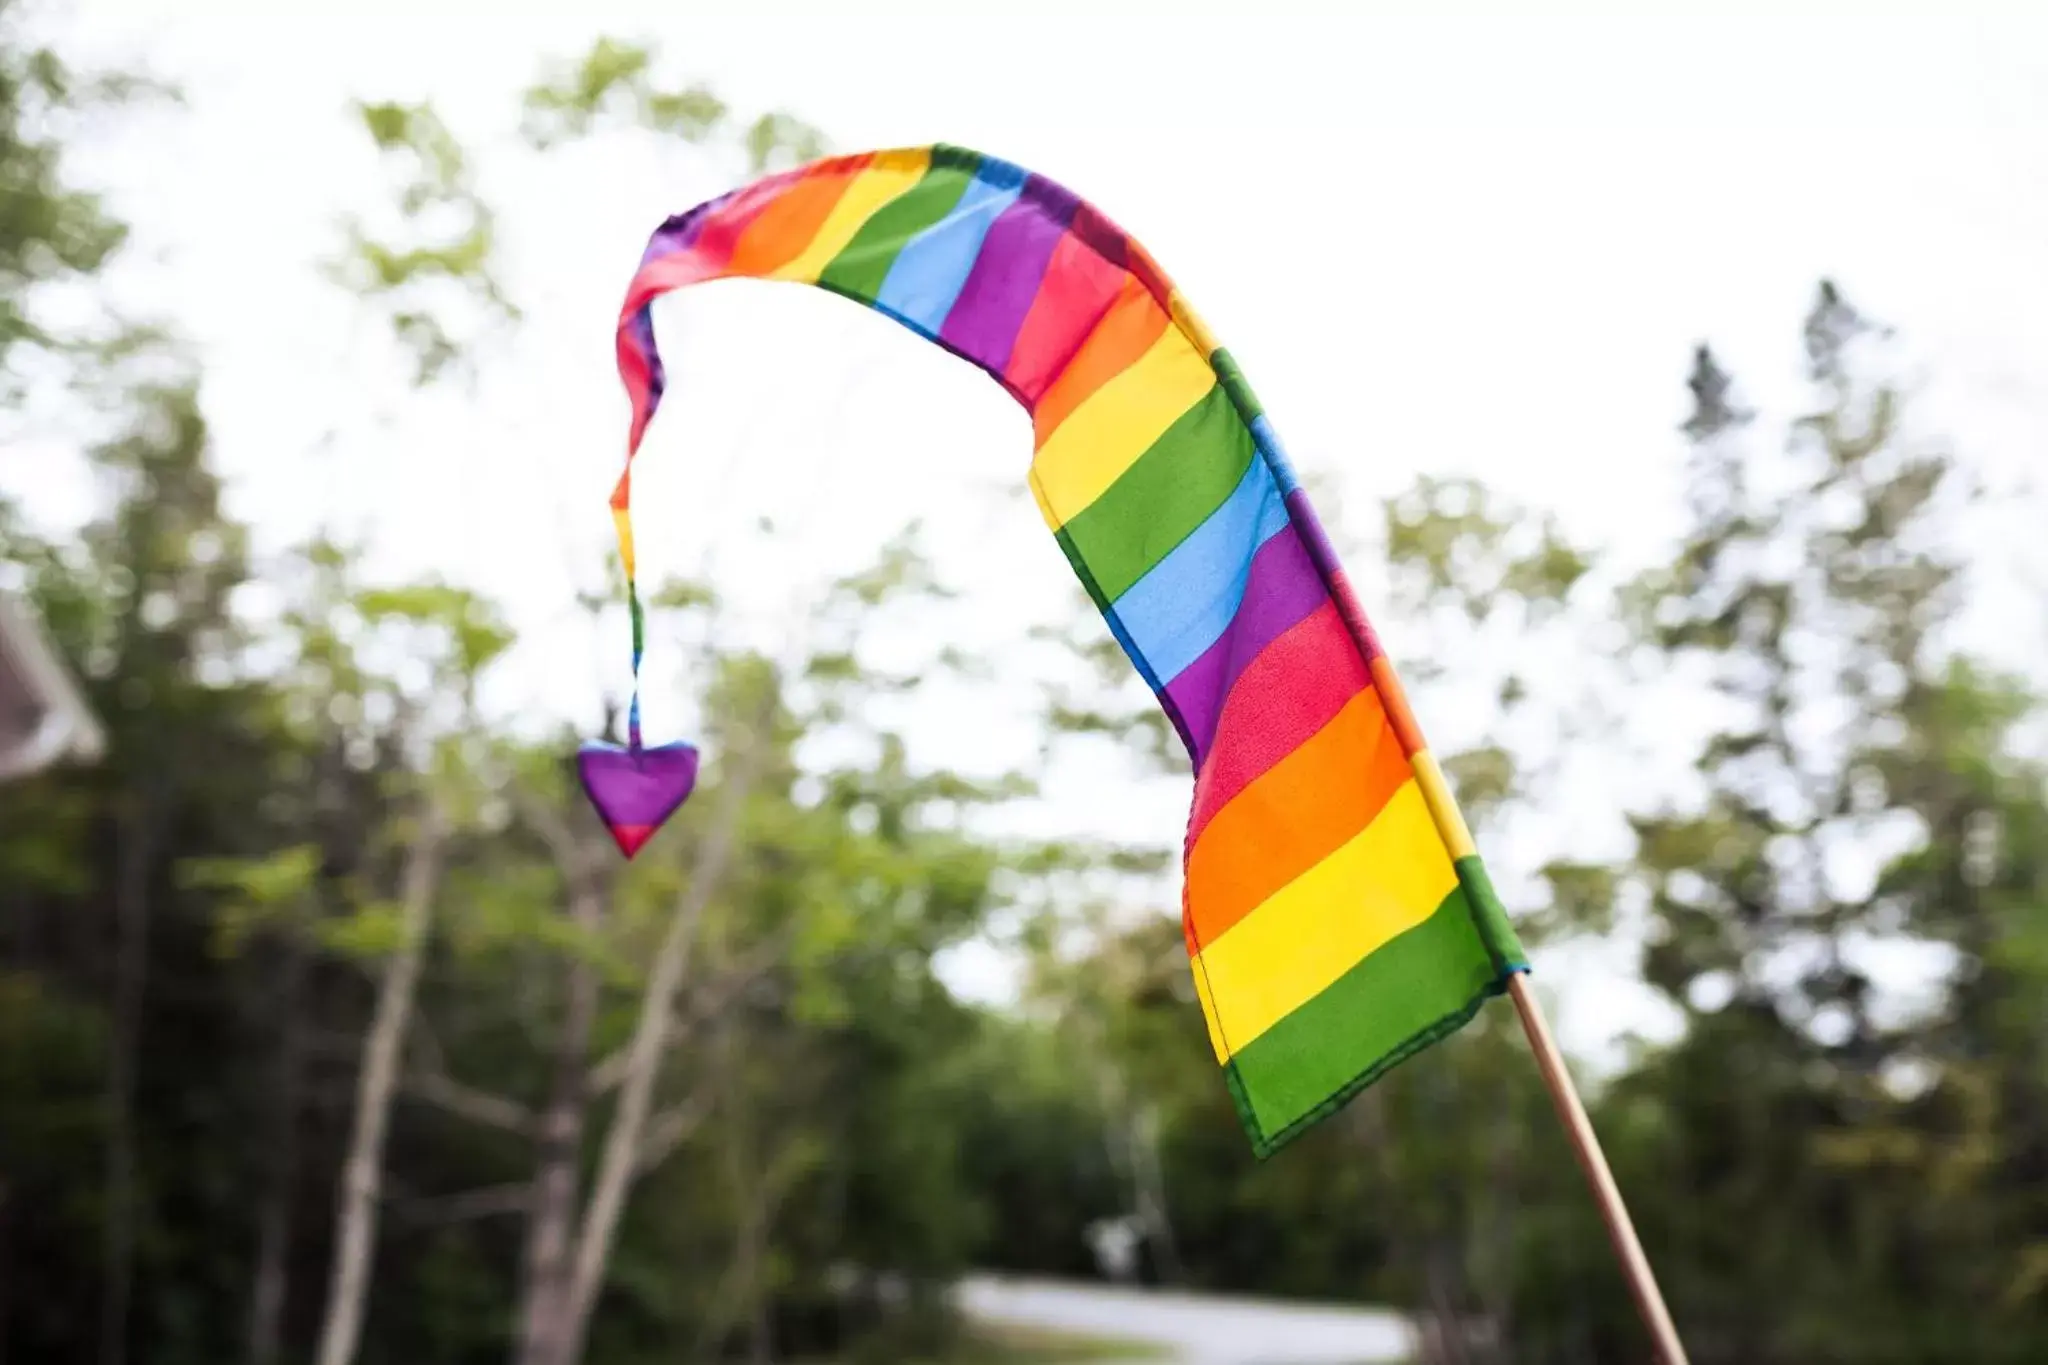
636 790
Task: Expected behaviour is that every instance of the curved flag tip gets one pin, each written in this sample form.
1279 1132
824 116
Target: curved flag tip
636 789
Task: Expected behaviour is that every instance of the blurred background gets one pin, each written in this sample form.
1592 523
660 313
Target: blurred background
1673 381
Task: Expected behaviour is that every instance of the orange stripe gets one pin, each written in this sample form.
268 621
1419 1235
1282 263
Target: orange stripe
787 226
705 258
1389 684
1300 811
1126 332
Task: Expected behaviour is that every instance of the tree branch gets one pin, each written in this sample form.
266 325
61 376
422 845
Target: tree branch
571 854
487 1202
671 1128
704 1004
475 1105
606 1075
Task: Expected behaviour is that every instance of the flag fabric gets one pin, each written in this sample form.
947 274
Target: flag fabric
1337 916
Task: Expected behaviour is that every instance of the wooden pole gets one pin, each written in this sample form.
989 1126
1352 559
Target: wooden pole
1635 1266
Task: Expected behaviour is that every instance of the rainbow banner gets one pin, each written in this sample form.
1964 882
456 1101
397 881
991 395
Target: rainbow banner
1337 916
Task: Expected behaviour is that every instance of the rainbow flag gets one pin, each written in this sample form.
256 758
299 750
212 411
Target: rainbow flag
1338 918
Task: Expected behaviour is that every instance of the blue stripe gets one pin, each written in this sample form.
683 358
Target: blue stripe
1123 637
933 266
1268 443
1179 608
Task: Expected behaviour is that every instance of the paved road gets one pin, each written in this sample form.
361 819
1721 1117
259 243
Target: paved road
1202 1330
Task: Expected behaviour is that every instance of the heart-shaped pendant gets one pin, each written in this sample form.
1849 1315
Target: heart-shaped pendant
635 790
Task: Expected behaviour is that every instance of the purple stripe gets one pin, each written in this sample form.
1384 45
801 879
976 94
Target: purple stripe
680 231
990 309
1282 588
640 329
1324 556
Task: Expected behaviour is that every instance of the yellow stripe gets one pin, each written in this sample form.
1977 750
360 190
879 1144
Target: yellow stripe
623 521
872 188
1081 457
1209 1013
1385 881
1052 518
1450 821
1184 316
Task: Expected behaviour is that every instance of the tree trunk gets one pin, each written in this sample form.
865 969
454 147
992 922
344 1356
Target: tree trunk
621 1159
1149 1182
1446 1304
775 1185
747 1181
747 1177
133 856
274 1221
545 1263
761 1330
376 1083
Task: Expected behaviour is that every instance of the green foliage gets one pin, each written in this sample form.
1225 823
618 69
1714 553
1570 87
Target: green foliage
466 633
256 893
435 280
614 85
50 230
373 931
1456 542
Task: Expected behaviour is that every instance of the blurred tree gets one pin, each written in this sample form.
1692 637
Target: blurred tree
51 231
456 638
141 601
434 279
569 1239
1859 1176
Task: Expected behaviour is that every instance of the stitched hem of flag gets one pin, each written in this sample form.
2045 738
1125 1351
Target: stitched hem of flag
1490 917
1265 1145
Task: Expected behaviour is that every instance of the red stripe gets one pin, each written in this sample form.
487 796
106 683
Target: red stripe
1118 341
1293 689
707 256
1077 291
637 371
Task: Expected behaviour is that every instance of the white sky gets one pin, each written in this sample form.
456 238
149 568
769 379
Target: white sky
1474 243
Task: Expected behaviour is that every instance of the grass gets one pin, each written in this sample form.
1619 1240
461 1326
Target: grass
989 1344
993 1344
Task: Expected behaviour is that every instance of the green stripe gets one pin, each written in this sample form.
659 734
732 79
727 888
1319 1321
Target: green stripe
1235 384
1159 501
860 268
1414 990
1080 568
